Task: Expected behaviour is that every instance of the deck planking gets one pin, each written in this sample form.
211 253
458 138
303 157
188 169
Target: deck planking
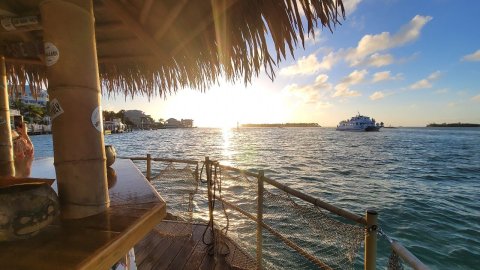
156 251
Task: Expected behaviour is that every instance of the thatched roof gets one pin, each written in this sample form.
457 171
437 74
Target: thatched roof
153 47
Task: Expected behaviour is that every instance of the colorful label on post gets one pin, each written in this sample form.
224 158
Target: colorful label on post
7 24
51 54
97 118
55 108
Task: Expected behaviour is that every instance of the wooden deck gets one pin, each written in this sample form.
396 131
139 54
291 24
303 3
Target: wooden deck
159 252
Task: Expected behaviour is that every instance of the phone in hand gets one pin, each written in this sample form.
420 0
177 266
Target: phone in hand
17 121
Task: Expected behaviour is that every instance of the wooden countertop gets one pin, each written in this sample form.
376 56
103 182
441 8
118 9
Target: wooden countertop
95 242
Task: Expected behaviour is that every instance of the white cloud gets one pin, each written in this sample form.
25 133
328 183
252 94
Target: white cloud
345 91
371 44
355 77
376 60
472 57
310 93
427 82
350 6
385 76
309 65
305 65
452 104
343 88
377 95
476 98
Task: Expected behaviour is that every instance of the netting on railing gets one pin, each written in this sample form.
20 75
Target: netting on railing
323 239
178 187
235 234
296 234
394 262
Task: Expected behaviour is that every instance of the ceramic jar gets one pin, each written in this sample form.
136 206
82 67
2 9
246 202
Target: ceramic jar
111 154
25 209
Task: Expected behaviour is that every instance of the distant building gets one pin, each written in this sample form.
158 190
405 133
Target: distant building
28 99
174 123
188 123
139 119
115 125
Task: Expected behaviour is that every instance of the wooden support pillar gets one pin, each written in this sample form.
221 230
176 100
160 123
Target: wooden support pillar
260 220
74 91
7 166
149 167
371 240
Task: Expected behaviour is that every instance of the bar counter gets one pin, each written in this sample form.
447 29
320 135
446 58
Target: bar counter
95 242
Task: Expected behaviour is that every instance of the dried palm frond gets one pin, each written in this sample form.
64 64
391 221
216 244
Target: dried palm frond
206 40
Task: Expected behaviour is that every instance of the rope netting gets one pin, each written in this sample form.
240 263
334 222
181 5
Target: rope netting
295 234
178 187
324 241
394 262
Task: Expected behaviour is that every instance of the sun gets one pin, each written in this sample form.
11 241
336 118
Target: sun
228 105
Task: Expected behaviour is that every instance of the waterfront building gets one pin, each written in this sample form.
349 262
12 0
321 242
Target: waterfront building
174 123
27 98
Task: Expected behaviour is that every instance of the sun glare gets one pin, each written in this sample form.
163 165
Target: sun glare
228 105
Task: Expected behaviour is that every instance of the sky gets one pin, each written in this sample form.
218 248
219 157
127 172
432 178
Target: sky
403 62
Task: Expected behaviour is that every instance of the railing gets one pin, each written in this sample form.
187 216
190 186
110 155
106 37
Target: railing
369 221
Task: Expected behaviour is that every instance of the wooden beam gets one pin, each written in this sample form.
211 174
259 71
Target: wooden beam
125 59
147 6
169 20
26 61
135 27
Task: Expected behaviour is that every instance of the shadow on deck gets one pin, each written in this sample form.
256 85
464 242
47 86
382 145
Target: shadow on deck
157 251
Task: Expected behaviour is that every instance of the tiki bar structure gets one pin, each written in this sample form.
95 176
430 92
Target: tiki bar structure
81 49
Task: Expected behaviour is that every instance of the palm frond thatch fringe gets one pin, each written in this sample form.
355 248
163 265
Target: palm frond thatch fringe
240 40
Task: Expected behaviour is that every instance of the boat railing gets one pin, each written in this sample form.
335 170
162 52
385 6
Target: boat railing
325 235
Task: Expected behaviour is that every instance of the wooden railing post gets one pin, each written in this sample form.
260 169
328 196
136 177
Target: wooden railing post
149 167
197 177
371 240
260 219
208 171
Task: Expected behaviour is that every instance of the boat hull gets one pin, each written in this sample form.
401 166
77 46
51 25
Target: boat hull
366 129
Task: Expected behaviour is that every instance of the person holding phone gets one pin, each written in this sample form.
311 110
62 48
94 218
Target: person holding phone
22 149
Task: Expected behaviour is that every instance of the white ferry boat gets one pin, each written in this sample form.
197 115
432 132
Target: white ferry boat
359 123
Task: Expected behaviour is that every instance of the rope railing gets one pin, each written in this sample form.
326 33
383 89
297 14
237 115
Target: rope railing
369 221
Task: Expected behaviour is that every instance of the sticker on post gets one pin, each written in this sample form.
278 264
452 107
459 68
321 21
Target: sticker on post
7 24
51 54
25 22
55 109
97 119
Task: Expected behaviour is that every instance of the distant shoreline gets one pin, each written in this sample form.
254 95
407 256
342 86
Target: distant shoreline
453 125
280 125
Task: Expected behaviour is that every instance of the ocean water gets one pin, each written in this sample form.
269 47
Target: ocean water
424 182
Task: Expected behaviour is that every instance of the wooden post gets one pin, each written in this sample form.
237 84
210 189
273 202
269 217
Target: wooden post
208 171
260 220
149 167
7 166
371 240
74 92
196 174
